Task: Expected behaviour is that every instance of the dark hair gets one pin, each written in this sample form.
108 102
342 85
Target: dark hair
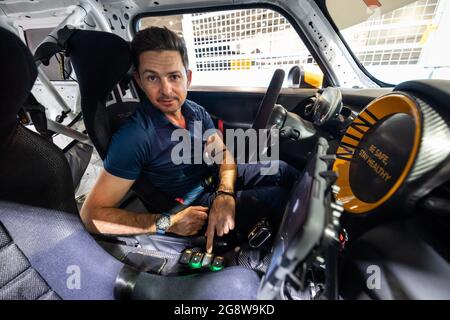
158 39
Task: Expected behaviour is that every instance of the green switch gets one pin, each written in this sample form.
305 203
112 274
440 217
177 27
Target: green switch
217 264
214 268
196 260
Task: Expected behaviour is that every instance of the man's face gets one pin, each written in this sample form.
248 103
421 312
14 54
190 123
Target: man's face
164 79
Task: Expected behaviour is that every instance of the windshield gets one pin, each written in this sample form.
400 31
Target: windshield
397 40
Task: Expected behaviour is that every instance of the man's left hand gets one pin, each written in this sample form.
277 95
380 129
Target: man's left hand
221 218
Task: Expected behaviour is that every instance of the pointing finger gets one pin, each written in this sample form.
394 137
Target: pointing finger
210 237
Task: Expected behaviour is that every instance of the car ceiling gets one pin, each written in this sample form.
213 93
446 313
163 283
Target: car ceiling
17 7
359 10
26 9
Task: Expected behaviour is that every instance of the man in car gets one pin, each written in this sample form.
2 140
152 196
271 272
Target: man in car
143 146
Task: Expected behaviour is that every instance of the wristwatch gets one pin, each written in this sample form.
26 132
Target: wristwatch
163 223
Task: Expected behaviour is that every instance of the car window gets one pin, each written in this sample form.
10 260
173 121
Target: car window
397 40
239 47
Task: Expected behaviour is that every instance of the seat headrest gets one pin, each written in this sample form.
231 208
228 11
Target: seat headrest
17 77
100 60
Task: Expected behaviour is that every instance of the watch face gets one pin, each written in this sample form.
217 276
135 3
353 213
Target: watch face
163 223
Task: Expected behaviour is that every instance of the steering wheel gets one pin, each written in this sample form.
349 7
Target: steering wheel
328 105
268 102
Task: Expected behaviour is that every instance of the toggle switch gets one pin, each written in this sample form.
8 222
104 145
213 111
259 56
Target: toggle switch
217 264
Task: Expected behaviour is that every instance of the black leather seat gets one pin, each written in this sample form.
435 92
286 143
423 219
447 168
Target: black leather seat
33 171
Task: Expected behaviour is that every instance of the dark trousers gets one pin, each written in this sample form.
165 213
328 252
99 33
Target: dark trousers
257 196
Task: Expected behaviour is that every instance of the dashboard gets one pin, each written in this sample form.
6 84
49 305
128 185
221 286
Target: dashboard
390 157
398 142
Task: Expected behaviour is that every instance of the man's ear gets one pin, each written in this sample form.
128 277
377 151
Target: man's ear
189 77
138 79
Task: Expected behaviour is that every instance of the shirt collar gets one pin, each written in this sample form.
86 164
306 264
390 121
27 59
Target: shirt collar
160 120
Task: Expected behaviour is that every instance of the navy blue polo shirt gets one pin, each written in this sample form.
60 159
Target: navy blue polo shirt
143 145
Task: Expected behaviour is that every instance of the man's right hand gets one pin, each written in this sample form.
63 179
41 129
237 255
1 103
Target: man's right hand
189 221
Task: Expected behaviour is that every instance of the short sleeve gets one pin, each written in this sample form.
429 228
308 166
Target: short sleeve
128 152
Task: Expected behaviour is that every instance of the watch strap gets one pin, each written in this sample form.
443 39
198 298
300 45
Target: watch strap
223 192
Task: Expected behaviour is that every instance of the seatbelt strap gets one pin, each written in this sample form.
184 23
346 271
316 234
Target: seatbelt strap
69 132
46 127
34 111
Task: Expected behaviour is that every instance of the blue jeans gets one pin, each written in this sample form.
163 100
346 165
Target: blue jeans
258 196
